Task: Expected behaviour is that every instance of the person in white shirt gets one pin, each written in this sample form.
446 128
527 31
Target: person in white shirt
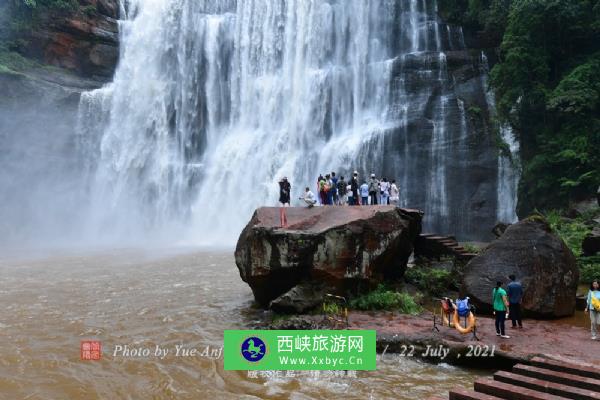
349 197
384 191
394 194
309 198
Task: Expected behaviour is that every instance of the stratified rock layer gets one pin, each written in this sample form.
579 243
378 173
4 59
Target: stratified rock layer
540 260
341 247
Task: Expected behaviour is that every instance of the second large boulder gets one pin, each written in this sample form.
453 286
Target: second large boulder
540 260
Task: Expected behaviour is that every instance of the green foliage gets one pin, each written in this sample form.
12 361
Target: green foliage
589 269
65 5
11 61
331 308
548 88
383 298
431 280
571 231
471 248
489 16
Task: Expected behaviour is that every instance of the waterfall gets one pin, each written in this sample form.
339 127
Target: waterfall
213 101
508 170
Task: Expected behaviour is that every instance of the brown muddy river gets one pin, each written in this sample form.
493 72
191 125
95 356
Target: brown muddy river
142 300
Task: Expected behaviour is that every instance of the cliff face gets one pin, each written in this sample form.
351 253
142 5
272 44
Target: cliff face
84 41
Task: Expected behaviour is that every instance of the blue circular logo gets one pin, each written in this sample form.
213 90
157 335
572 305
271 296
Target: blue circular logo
253 349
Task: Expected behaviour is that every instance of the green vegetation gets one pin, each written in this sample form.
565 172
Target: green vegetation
471 248
331 308
589 269
63 5
572 232
11 61
383 298
547 87
431 280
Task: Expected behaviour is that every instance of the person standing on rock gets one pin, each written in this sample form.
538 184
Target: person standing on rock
394 194
321 190
334 188
285 188
349 195
364 194
593 307
329 190
500 304
384 190
373 189
354 187
515 296
341 191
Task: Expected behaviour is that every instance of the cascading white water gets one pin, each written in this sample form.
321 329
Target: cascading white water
214 101
508 172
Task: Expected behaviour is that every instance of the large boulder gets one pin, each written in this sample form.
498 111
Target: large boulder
540 260
340 247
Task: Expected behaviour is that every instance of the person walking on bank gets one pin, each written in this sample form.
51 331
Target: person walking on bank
394 194
515 296
593 307
341 191
500 304
373 189
364 193
285 188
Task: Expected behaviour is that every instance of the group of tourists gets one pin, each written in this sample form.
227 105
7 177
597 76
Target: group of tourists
332 190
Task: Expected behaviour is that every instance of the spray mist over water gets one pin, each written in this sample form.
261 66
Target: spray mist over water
214 101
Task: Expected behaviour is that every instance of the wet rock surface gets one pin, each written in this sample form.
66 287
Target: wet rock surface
84 41
301 298
341 247
591 243
540 260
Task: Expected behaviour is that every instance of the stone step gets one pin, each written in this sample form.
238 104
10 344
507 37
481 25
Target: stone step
558 377
436 238
464 394
539 385
569 368
512 392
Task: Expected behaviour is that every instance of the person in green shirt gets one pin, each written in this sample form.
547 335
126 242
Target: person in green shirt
500 304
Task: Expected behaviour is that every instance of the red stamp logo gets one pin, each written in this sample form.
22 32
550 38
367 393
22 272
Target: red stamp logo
91 349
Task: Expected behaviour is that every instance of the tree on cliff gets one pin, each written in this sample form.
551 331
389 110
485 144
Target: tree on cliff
549 90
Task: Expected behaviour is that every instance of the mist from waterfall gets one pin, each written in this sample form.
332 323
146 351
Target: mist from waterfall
214 101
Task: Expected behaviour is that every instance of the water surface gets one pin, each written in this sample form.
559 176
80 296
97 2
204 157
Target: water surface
164 298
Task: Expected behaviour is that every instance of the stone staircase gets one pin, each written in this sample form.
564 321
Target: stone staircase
544 379
435 246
